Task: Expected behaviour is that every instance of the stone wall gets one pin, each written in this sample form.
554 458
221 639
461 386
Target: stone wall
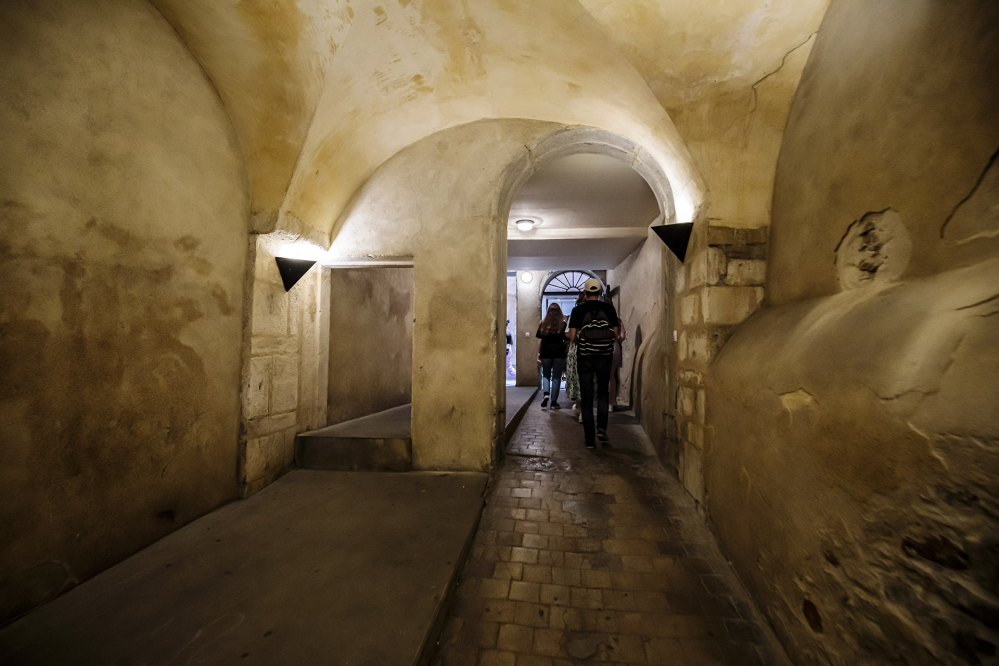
734 138
851 426
371 341
643 287
285 368
720 286
123 219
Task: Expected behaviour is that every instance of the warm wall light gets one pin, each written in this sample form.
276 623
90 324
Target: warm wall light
526 277
292 270
300 250
684 208
525 225
676 236
294 260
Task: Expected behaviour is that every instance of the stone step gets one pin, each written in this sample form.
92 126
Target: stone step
379 442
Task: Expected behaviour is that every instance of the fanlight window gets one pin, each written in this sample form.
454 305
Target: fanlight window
568 282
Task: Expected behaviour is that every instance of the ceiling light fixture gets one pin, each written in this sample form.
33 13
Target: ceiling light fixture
525 225
526 277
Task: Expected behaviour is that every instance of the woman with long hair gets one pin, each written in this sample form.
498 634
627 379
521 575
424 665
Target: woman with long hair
551 353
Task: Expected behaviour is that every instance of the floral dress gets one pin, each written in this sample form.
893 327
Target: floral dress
572 374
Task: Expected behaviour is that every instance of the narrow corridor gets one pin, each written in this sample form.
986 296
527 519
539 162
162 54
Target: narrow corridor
595 556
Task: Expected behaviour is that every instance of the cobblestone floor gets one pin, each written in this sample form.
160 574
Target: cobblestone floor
595 556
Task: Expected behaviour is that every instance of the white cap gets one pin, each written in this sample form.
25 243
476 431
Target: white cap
592 286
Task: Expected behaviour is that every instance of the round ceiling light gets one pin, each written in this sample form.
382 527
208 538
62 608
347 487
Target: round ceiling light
525 225
526 277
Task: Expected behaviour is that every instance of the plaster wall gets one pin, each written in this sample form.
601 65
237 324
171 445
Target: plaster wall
122 252
731 105
726 72
323 92
416 68
940 152
371 341
285 364
439 202
511 315
643 282
849 460
528 320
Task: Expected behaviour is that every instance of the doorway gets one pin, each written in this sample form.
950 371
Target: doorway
371 341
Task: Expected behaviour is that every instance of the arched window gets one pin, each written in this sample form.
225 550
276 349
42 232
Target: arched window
564 287
567 283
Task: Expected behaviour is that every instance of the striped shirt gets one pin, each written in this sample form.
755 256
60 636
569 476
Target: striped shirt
594 322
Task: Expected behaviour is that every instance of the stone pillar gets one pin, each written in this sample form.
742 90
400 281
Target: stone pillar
459 334
286 356
528 320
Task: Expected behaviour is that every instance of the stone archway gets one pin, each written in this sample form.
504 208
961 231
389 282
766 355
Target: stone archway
576 140
655 357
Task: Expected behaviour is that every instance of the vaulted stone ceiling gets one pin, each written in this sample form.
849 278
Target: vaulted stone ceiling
320 92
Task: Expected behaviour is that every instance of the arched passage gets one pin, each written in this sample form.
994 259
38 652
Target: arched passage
639 280
440 205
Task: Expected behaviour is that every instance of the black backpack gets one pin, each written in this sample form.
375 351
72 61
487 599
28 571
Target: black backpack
596 327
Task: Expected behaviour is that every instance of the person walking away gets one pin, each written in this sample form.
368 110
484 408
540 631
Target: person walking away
572 379
571 371
617 361
594 326
551 353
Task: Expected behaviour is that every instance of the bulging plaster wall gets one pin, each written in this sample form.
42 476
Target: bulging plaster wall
941 153
122 251
371 341
850 458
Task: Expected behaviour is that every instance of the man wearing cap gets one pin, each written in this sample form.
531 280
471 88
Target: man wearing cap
594 326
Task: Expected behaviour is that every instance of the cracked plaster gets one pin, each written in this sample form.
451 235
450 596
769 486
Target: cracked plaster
851 463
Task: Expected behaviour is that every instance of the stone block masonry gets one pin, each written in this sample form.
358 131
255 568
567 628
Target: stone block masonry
721 286
285 370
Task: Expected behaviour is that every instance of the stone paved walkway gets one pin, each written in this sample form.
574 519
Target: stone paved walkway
596 556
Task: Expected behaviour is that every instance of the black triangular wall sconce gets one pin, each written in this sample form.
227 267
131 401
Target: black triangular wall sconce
292 270
676 237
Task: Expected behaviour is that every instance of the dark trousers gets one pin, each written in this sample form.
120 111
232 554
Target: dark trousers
590 367
551 376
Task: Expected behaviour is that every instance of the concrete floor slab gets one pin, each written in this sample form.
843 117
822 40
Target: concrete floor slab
317 568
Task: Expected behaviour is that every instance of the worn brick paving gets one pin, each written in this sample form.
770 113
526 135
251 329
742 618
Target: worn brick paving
595 556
